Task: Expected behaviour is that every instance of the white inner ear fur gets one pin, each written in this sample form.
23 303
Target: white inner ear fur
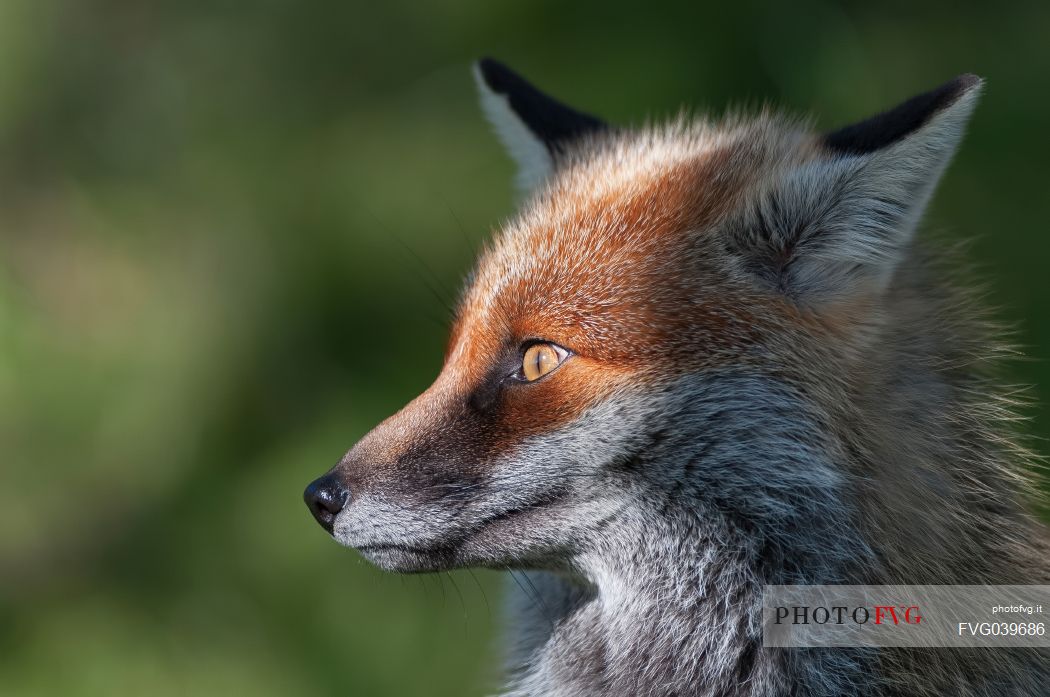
529 152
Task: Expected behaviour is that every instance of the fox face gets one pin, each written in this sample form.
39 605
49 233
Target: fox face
675 318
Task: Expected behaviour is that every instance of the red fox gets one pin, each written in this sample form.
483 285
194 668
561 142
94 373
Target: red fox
707 356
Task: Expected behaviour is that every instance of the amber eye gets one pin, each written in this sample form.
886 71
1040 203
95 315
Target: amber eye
541 359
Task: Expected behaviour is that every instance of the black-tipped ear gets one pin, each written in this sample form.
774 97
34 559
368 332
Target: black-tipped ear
891 126
840 224
552 122
535 127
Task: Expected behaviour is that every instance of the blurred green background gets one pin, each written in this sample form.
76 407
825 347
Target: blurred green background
228 232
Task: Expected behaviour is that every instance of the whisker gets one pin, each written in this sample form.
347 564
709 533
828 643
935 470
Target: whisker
484 596
533 595
433 284
462 604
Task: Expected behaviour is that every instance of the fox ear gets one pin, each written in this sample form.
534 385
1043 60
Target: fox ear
534 127
842 221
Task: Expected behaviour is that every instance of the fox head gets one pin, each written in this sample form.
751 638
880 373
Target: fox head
675 319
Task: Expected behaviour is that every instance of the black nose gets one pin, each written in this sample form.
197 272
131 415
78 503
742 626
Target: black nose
325 497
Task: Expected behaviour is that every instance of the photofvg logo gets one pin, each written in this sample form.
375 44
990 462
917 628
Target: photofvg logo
915 616
840 614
